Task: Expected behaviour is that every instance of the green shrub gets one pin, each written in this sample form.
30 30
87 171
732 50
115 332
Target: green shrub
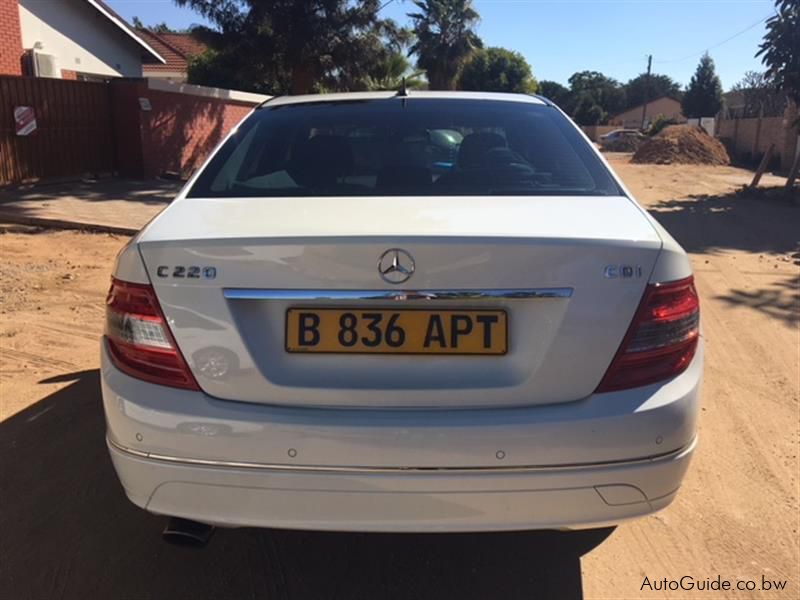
659 123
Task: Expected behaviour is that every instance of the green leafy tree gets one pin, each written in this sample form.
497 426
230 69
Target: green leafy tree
552 90
780 50
605 92
157 28
498 70
445 39
703 97
290 46
163 28
660 123
639 88
587 111
225 70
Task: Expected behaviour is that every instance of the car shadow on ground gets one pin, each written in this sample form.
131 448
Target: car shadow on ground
67 531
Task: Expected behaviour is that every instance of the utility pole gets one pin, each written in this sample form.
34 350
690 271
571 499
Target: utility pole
646 89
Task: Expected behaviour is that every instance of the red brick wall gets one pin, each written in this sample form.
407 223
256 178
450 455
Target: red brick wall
10 38
176 135
67 74
181 130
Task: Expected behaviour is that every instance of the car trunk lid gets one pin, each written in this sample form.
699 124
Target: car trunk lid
568 272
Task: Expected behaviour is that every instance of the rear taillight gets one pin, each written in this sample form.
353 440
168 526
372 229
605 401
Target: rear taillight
661 340
139 340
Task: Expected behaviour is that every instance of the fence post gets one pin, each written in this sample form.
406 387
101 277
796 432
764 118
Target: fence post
762 166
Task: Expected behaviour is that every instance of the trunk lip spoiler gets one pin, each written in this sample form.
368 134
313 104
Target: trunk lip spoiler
397 295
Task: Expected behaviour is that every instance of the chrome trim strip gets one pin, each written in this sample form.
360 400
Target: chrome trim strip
202 462
399 295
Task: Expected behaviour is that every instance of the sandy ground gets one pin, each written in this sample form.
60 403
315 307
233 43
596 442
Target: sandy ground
67 531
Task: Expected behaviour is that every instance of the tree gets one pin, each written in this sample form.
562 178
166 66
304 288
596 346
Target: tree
225 70
163 28
558 93
703 97
445 39
780 50
157 28
605 92
587 111
758 95
639 88
281 46
498 70
389 74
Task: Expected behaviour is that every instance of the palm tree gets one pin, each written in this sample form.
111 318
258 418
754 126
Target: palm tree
445 39
390 72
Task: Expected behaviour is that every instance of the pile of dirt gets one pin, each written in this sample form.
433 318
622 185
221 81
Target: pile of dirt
682 144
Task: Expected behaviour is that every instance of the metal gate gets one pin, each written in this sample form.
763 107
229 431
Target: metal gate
73 134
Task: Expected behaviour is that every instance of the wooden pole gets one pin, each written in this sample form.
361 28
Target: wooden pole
762 166
646 90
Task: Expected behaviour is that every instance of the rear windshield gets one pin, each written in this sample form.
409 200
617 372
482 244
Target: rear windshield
405 147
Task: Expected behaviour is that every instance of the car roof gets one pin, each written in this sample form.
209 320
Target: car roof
351 96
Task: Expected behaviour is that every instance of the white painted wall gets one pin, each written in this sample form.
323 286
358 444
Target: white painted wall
79 37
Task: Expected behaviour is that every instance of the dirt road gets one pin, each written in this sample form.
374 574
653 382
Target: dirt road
67 531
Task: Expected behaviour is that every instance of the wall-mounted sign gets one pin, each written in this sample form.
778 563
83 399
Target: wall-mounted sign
144 104
25 120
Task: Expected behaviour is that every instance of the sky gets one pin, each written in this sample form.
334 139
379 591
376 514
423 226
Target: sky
560 37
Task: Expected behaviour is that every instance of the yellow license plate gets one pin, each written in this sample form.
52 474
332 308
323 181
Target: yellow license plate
403 331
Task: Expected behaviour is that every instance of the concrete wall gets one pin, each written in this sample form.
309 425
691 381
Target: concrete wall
81 39
749 139
10 39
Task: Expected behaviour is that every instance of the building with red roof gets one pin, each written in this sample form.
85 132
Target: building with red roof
176 48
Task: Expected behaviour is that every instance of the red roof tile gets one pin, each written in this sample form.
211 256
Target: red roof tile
176 48
185 42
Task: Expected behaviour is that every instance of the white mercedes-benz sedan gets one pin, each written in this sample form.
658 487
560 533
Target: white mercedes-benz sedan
403 312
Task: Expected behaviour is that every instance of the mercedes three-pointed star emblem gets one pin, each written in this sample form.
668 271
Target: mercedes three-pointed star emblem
396 266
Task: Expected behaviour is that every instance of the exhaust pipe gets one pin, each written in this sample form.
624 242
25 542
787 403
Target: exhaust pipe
183 532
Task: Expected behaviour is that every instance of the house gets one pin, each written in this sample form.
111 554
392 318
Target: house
632 118
176 48
70 39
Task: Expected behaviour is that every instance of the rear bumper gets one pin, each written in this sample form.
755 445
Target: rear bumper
386 500
588 463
